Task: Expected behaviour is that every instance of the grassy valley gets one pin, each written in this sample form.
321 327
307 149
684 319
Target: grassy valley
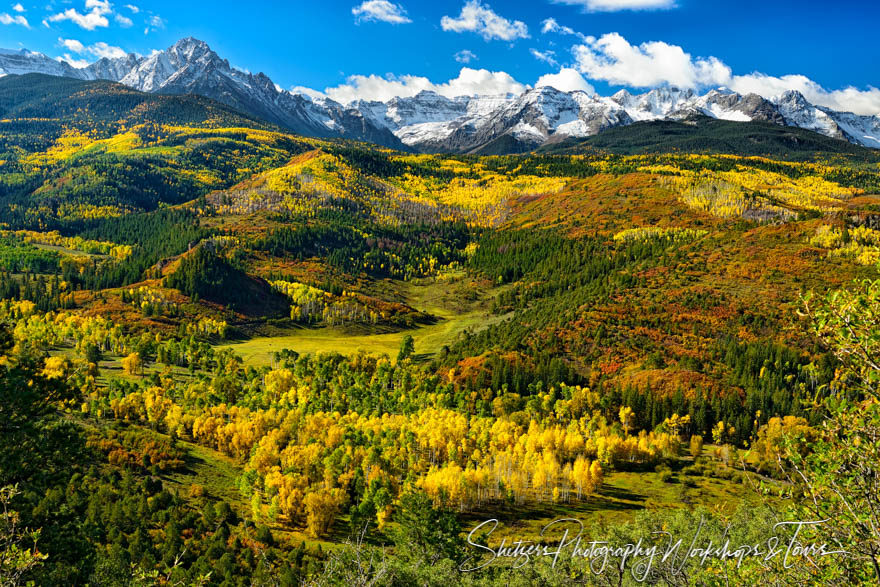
232 355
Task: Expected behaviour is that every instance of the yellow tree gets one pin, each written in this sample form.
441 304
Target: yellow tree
133 364
596 475
581 477
696 446
627 418
718 433
279 382
675 423
55 368
321 509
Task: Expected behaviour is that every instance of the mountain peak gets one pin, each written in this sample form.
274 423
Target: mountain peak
793 98
190 42
431 121
423 94
191 49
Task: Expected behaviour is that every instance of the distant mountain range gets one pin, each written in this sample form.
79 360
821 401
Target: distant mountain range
429 122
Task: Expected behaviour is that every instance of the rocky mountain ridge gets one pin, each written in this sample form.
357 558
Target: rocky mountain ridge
429 122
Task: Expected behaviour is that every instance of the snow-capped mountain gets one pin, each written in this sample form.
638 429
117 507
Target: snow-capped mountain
864 130
430 122
112 69
191 67
24 61
798 112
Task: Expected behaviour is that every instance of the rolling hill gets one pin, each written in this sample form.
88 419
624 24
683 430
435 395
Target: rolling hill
226 349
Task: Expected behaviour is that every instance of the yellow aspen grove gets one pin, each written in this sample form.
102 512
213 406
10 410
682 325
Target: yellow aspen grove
321 510
581 477
133 364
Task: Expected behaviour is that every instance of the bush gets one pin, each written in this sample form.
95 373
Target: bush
694 470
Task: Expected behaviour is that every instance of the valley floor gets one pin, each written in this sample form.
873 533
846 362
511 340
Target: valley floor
453 316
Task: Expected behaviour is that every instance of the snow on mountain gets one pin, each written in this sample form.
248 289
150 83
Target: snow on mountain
191 67
657 104
858 129
424 107
431 122
113 69
24 61
434 123
798 112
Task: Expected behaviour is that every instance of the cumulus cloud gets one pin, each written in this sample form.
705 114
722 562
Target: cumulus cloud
18 8
481 19
99 49
96 17
548 57
103 5
618 5
380 11
613 59
567 80
124 21
865 102
469 82
307 92
465 56
134 9
72 61
7 19
72 45
102 49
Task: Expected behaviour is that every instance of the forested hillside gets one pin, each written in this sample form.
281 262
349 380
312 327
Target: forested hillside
236 356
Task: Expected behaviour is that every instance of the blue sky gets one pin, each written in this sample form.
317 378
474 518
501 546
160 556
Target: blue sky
611 44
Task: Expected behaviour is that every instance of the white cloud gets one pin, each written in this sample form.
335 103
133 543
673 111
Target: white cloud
17 19
552 26
96 17
124 21
154 23
99 49
102 49
77 63
865 102
72 45
469 82
618 5
613 59
18 8
307 92
380 11
548 57
134 9
567 80
478 18
465 56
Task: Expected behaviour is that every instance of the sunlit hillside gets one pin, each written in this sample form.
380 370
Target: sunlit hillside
248 346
